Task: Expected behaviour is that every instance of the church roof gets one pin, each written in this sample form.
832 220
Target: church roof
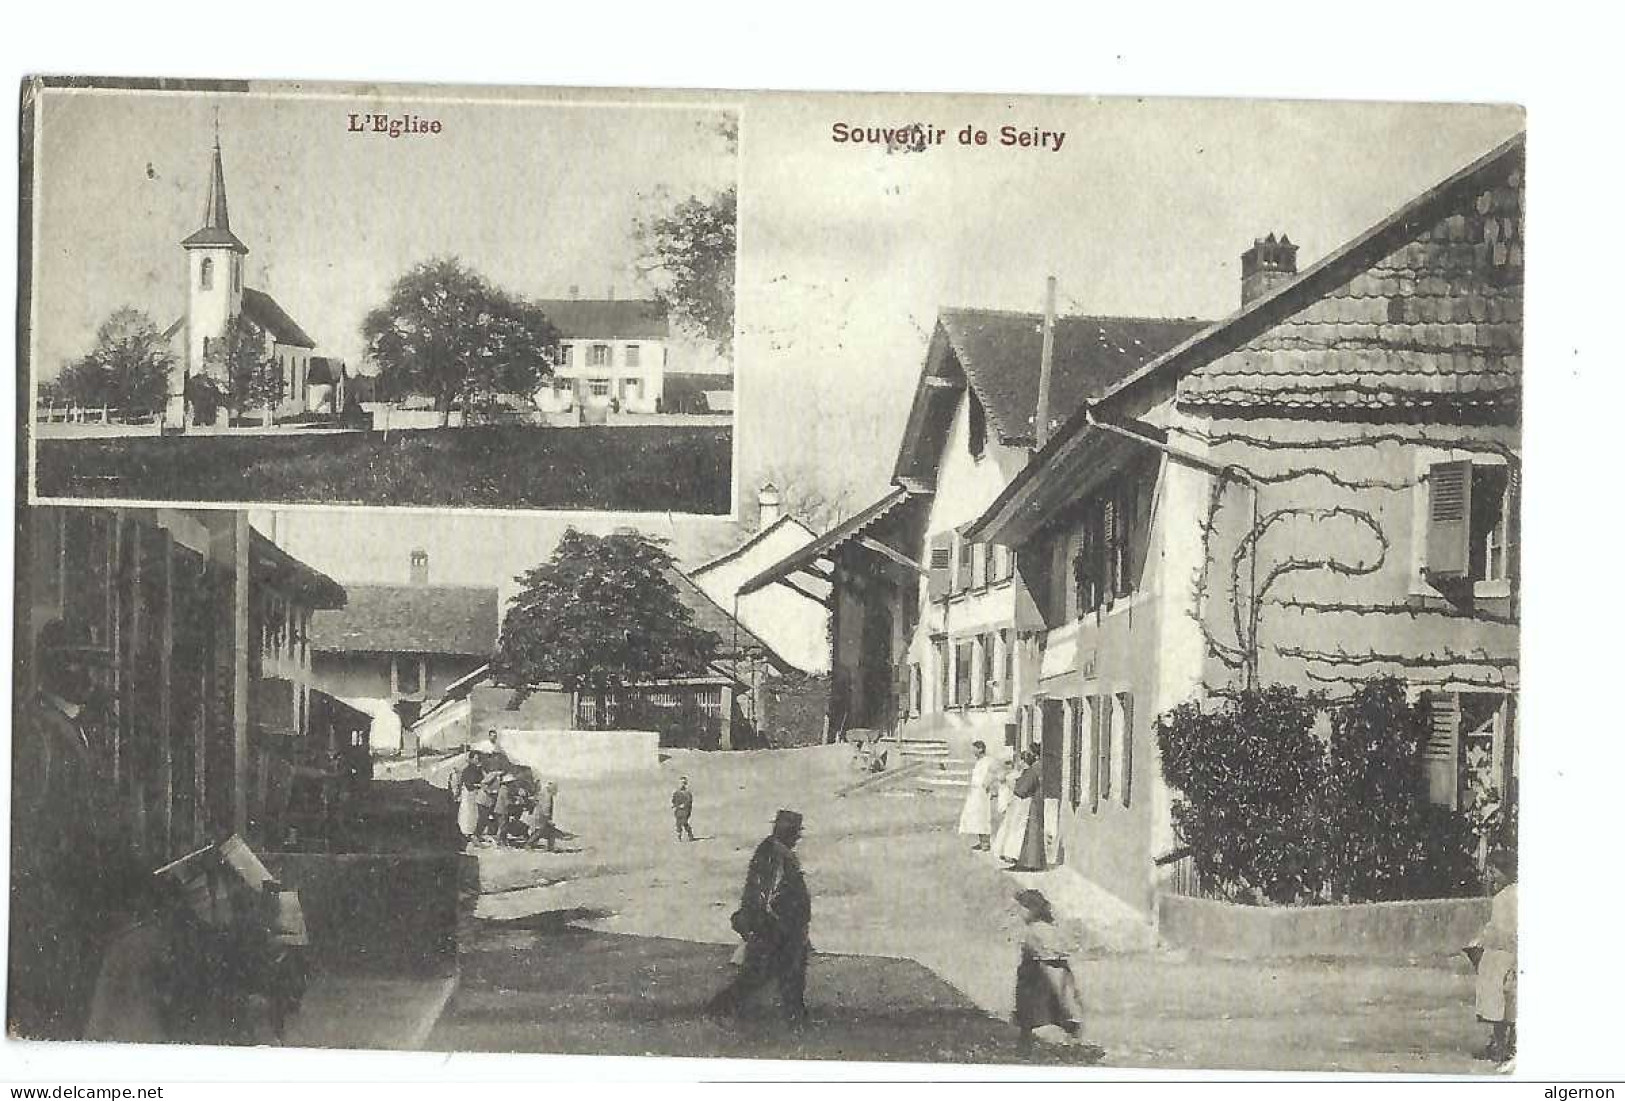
264 311
216 229
324 371
607 318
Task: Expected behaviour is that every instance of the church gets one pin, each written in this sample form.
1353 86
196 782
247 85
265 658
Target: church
215 295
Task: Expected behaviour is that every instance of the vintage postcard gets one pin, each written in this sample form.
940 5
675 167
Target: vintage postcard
1092 640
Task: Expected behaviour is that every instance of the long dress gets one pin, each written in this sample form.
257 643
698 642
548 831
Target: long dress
1496 989
1025 808
1046 989
468 811
977 817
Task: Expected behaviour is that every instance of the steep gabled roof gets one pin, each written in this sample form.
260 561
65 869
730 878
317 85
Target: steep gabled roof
411 619
737 639
264 311
607 318
997 354
216 229
324 371
755 538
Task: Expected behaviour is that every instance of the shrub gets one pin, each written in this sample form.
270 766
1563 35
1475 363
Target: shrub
1270 813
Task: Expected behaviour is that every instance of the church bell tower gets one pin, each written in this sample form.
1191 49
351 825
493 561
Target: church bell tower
214 272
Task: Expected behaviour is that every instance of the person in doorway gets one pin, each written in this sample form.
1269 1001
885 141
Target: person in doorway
1021 834
682 808
773 919
1494 953
976 819
1046 989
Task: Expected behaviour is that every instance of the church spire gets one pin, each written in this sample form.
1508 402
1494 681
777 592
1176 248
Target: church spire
216 229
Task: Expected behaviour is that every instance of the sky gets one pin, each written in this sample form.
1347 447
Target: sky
846 252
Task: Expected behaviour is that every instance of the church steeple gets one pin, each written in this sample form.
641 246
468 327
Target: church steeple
216 229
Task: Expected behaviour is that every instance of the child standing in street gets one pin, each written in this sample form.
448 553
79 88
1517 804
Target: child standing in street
1046 989
682 807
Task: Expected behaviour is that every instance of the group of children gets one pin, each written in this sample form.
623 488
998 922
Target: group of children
496 807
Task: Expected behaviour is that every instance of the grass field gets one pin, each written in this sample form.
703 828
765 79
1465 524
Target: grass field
625 468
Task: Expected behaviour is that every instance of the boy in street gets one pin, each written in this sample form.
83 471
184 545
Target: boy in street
682 806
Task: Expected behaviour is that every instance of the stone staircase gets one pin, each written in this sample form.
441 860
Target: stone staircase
941 771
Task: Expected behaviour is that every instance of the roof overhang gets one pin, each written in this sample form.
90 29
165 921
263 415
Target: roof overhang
269 562
814 561
1063 474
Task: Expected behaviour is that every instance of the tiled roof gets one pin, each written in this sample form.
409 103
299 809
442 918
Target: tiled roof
1000 352
263 310
411 619
607 319
1437 321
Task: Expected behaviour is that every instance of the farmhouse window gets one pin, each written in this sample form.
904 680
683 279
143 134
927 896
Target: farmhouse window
1469 753
599 387
1074 748
598 355
633 352
1103 752
564 354
967 565
962 673
1469 516
939 581
1125 740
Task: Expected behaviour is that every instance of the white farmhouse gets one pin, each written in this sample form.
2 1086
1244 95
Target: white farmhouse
612 356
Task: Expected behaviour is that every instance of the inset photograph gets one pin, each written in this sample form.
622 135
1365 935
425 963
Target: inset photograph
248 298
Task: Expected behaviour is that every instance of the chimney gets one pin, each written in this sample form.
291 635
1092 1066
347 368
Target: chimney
1266 267
419 574
768 506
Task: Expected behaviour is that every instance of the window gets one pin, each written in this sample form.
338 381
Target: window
985 673
967 565
598 355
1101 774
564 353
939 582
236 273
1470 752
631 389
205 275
599 387
976 435
1007 682
998 558
1468 521
1074 751
939 648
962 673
633 355
1105 566
1125 741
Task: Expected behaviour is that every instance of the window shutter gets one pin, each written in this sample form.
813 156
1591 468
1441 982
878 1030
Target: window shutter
1106 747
1094 753
939 580
1450 510
1439 755
1127 701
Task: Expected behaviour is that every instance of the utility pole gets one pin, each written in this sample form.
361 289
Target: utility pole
1046 367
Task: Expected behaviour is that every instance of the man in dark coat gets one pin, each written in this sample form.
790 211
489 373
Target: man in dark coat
774 915
682 808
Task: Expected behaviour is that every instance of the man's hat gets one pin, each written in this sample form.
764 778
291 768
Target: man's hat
786 819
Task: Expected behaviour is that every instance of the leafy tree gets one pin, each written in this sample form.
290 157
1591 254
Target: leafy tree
687 257
128 369
240 362
602 614
447 333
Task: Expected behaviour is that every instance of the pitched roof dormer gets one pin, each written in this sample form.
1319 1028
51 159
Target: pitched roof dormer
216 229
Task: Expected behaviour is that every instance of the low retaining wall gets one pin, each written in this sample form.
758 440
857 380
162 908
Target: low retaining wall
579 754
1373 930
377 913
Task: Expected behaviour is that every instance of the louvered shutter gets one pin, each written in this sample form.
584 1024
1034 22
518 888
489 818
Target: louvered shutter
1450 510
1094 753
939 581
1108 550
1439 756
1106 747
1127 735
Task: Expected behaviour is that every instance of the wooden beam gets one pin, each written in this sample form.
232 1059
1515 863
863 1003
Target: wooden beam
166 711
892 553
813 569
793 587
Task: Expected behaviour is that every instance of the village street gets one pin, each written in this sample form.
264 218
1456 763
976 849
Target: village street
612 949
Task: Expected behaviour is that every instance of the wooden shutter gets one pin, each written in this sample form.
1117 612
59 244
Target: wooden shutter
1127 734
1450 511
1106 747
1074 750
1439 755
939 580
1094 753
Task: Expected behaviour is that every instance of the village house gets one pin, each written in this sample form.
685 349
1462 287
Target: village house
796 628
1320 489
203 705
216 295
612 356
392 650
923 642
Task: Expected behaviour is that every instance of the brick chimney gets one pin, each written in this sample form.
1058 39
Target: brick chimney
769 506
1270 264
419 573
